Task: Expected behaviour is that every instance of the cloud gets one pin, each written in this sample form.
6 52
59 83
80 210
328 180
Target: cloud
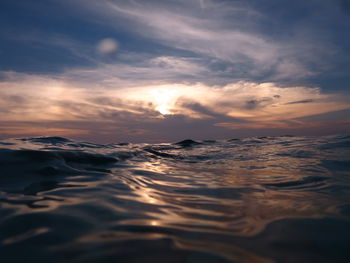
212 42
147 111
198 67
143 70
241 35
186 30
301 101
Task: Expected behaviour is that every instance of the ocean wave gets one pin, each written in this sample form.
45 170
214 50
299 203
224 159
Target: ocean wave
239 200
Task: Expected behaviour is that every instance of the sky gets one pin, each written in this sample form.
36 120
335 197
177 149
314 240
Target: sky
166 70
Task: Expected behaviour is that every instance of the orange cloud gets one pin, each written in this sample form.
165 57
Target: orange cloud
77 108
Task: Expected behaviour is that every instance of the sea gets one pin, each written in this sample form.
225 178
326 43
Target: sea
253 200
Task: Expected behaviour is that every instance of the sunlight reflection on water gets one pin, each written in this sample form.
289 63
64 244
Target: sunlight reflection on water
278 199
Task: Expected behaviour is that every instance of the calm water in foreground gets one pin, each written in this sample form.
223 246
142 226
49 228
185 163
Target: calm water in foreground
274 199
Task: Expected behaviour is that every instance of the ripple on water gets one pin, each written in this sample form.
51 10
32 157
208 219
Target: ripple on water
267 199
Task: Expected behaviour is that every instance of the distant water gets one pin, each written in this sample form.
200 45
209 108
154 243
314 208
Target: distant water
256 200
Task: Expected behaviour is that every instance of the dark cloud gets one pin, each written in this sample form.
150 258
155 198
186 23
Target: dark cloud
301 101
257 103
12 103
334 115
123 114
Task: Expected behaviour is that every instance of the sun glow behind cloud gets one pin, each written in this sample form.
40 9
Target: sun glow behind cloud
148 68
164 100
81 107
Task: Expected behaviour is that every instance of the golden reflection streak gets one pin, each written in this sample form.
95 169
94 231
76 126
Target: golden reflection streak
246 215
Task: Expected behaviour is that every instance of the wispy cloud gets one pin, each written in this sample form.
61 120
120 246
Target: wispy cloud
230 32
226 40
136 67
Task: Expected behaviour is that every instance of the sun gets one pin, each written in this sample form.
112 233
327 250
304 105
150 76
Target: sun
164 109
164 99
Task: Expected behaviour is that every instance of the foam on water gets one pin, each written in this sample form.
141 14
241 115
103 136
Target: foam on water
268 199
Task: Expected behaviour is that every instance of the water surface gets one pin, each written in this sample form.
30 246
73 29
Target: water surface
271 199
